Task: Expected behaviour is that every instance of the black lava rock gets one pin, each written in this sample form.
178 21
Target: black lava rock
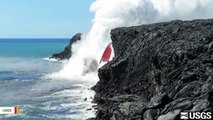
67 53
168 66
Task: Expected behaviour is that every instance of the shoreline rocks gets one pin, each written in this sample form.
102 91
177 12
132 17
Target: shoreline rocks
158 71
67 53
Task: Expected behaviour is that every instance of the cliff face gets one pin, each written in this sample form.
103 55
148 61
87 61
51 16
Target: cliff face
67 53
158 70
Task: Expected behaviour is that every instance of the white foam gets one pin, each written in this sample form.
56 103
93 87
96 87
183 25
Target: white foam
50 59
54 60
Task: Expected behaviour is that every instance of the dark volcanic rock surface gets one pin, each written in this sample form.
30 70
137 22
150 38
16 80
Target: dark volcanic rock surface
67 53
158 71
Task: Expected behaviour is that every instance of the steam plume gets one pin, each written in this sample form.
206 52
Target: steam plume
111 14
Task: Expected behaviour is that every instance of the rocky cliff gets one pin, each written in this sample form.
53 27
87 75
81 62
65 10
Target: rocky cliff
67 53
158 71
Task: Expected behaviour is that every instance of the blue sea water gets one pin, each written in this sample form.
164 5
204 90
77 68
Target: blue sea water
23 82
31 47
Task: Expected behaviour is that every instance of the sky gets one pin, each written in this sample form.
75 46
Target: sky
44 18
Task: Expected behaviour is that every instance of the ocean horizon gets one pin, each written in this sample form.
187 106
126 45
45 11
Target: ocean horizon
31 47
34 39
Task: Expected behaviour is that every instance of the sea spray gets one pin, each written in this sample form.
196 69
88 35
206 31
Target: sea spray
111 14
31 64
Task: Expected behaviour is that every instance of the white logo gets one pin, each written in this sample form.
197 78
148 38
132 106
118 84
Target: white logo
9 110
196 115
184 115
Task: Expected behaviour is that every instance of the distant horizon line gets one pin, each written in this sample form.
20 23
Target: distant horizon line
36 38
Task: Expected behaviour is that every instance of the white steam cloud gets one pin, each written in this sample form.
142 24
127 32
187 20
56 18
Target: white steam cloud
182 9
111 14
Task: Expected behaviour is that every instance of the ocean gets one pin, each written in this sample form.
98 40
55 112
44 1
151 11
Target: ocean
23 82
